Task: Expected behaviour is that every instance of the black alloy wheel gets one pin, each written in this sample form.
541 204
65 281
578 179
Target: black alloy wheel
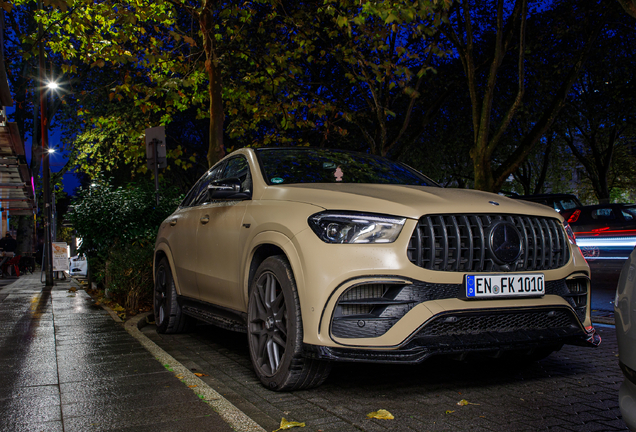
168 315
275 330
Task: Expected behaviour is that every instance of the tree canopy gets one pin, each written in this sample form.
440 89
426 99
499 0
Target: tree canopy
464 90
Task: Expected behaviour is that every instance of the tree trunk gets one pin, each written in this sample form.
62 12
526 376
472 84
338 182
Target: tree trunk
629 6
216 149
24 236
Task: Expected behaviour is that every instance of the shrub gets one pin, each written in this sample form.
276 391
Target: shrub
129 275
119 225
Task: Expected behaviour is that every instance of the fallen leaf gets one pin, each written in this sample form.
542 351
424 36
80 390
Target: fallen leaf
381 414
72 289
284 424
192 386
449 411
200 374
464 402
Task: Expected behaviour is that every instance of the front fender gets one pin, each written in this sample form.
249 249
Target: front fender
281 241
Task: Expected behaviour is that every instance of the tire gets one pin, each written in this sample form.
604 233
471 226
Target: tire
168 315
275 332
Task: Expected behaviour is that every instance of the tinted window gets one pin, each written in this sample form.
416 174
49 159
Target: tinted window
197 193
565 204
629 213
308 165
605 214
238 168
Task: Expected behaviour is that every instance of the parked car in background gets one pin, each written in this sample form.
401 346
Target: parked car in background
327 255
606 234
625 316
614 219
559 202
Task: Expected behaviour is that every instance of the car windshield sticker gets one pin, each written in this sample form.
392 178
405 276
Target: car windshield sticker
338 174
277 180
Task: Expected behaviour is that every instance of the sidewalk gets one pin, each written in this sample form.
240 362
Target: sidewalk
66 365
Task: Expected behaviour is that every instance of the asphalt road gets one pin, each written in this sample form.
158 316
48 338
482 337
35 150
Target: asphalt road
575 389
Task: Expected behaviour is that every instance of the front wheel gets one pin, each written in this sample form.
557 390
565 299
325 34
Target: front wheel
169 317
275 332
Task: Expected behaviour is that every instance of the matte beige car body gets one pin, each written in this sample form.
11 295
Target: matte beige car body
278 216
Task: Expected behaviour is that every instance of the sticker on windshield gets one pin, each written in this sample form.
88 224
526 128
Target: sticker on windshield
277 180
338 174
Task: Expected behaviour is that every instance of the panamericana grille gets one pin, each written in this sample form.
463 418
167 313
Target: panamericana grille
461 243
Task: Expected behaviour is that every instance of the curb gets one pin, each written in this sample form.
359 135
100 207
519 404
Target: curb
236 418
603 320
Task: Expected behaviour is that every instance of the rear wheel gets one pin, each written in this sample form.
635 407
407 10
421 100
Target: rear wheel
275 332
169 317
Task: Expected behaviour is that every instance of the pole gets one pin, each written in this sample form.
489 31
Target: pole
155 144
46 174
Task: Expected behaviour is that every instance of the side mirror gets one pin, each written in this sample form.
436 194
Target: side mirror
226 188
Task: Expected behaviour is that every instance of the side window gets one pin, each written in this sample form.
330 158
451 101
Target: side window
238 168
197 194
604 214
629 214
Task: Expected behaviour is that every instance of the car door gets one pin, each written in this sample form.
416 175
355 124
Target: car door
219 240
183 226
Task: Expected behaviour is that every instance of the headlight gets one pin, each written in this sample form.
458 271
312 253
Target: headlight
349 227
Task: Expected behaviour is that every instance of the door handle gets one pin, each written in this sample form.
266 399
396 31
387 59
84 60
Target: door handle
173 222
205 219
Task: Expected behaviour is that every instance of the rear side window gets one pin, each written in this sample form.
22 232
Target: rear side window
565 204
629 214
603 214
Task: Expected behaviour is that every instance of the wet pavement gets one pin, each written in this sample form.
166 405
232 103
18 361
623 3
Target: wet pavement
66 365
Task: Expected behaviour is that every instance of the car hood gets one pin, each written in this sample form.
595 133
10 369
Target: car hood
407 201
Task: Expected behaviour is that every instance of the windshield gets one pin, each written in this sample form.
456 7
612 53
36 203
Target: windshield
312 165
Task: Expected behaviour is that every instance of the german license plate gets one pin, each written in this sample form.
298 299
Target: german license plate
517 285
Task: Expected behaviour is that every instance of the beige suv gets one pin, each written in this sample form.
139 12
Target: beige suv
326 255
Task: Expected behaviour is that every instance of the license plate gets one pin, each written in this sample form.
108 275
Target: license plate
517 285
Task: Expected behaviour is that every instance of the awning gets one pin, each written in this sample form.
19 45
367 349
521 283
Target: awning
16 189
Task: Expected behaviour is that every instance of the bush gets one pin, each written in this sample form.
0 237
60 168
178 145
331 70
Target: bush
129 275
119 226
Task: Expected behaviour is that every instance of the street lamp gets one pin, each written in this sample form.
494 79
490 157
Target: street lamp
46 173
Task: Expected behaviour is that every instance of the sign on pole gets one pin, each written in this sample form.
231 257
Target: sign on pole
156 141
60 257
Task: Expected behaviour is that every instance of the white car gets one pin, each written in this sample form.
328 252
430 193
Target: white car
78 266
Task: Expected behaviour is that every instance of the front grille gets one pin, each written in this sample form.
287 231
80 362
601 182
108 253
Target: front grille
460 243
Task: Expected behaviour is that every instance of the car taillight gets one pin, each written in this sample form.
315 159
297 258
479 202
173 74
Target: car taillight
569 232
574 216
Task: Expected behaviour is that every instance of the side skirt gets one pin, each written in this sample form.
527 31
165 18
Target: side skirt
225 318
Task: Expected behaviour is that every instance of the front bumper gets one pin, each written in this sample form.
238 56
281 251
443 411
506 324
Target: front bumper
489 332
